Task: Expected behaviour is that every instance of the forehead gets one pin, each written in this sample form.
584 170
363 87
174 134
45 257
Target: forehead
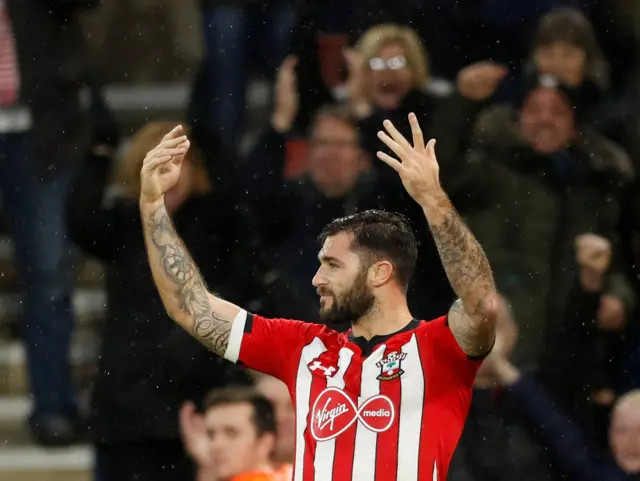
627 413
229 415
546 97
338 246
391 49
559 44
327 125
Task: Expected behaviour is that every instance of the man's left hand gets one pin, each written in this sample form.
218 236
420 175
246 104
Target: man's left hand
417 165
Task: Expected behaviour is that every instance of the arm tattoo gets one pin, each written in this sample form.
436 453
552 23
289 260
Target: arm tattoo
472 340
469 273
463 258
181 285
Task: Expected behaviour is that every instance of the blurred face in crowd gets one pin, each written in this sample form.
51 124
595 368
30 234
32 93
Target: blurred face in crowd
342 281
390 77
236 446
277 393
335 157
547 121
562 60
181 191
624 433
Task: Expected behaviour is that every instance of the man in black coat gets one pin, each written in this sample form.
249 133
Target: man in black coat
42 132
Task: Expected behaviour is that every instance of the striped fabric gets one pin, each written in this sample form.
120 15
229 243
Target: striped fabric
9 76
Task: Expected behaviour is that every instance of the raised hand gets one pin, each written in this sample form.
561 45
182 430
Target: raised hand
480 80
287 98
593 252
593 256
194 435
417 165
358 101
161 167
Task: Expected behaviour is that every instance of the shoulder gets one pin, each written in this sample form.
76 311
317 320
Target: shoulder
438 334
495 127
429 331
606 156
432 325
310 329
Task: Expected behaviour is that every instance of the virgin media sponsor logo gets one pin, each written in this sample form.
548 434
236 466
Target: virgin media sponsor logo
334 412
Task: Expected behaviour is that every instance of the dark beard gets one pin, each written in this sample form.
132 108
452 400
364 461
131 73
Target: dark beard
352 305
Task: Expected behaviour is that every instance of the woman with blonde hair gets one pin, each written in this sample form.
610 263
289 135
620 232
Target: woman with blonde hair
388 74
138 392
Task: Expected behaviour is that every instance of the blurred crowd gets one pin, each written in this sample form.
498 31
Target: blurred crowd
535 106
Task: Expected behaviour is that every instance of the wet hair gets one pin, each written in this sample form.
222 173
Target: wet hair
263 418
380 235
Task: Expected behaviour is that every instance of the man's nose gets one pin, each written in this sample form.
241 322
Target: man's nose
318 279
217 445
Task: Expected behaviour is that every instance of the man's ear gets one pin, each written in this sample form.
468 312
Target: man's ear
267 445
380 273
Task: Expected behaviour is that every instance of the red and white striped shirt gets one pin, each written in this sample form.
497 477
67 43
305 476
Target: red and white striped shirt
388 409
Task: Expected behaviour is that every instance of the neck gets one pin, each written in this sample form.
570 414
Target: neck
383 319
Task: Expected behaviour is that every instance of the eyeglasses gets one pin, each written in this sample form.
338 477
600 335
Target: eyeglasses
394 63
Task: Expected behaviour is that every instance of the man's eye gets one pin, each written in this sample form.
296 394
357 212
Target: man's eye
333 265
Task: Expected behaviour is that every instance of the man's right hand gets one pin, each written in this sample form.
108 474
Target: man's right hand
287 98
358 101
161 167
480 80
593 256
194 435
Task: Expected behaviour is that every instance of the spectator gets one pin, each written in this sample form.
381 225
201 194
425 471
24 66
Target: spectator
138 392
292 213
453 123
546 180
565 46
388 74
565 441
43 129
277 393
236 437
496 442
233 29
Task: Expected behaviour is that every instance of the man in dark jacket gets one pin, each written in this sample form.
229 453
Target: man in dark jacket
566 443
235 33
540 180
42 133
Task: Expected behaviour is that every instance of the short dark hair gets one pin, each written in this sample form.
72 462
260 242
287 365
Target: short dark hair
570 25
263 417
380 235
338 112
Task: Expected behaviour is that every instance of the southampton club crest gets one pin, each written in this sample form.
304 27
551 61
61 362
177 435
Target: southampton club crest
391 366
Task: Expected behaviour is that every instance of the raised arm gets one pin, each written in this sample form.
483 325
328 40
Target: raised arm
472 317
181 287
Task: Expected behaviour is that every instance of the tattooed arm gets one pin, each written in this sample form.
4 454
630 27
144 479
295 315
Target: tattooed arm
183 291
472 317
